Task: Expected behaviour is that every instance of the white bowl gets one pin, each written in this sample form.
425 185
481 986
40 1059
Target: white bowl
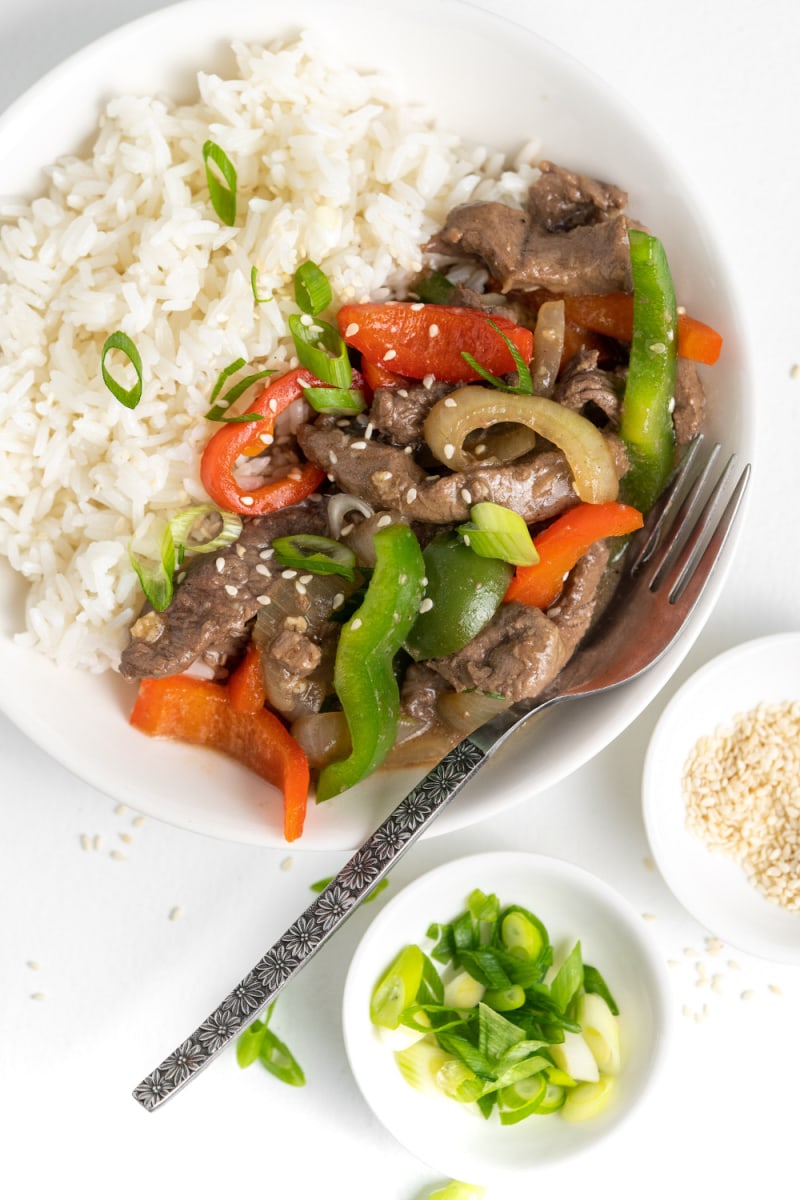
713 887
573 905
527 88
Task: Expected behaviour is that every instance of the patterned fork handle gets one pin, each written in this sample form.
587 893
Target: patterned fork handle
314 927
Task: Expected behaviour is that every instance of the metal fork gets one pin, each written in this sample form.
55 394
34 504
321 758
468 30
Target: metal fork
667 566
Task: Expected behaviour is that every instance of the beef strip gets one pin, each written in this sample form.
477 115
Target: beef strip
537 486
583 383
517 654
210 613
522 649
399 413
560 200
690 402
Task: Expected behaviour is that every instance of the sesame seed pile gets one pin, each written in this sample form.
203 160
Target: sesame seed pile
742 791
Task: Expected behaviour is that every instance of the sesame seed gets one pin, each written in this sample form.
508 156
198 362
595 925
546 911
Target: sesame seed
358 445
352 330
369 430
450 402
411 495
356 623
466 496
262 570
263 600
300 588
266 438
333 458
776 991
295 473
408 449
449 450
347 529
647 916
125 837
248 501
220 564
120 809
428 382
288 574
389 355
33 966
381 476
403 392
268 553
403 579
117 855
273 405
427 605
231 590
747 995
175 912
383 521
306 578
86 841
433 331
338 600
287 863
97 841
38 996
137 822
417 307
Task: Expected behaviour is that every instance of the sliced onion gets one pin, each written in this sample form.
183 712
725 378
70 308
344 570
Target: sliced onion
548 347
325 737
340 505
586 450
467 711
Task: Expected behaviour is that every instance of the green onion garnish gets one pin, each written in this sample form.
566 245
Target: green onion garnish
335 400
155 560
217 411
130 397
254 285
525 385
495 531
322 350
319 555
312 291
258 1042
222 191
434 288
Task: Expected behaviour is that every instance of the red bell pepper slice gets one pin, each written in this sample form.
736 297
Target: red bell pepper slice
565 541
612 315
237 438
202 713
245 687
416 340
376 376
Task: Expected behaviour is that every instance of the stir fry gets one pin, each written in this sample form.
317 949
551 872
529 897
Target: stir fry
413 528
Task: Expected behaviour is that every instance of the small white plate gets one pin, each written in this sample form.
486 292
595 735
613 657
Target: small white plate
572 904
711 885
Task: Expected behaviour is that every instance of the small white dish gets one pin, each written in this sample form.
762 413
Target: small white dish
450 1137
712 886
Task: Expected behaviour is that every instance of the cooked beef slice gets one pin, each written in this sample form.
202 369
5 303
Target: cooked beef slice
560 200
211 610
399 413
517 654
583 383
576 607
537 486
690 402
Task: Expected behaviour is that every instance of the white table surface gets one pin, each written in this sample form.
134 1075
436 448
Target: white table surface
109 955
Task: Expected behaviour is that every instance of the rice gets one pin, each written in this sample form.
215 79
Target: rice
332 165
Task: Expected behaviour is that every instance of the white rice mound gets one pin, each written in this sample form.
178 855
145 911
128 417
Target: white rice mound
332 166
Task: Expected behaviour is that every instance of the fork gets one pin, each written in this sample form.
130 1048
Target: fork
666 568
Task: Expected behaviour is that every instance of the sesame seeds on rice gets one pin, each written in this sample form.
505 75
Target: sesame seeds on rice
741 786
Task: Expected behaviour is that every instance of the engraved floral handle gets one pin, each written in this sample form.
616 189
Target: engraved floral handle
312 929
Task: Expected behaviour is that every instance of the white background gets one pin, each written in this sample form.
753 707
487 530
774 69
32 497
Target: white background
120 982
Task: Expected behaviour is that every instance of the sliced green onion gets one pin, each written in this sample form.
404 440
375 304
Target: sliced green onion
498 532
434 288
525 385
593 981
335 400
457 1190
130 397
156 569
155 563
322 350
248 1044
254 285
222 192
568 980
312 291
317 554
183 522
217 411
278 1059
397 988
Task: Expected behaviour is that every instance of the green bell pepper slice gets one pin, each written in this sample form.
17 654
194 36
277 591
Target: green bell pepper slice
646 426
464 590
363 676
